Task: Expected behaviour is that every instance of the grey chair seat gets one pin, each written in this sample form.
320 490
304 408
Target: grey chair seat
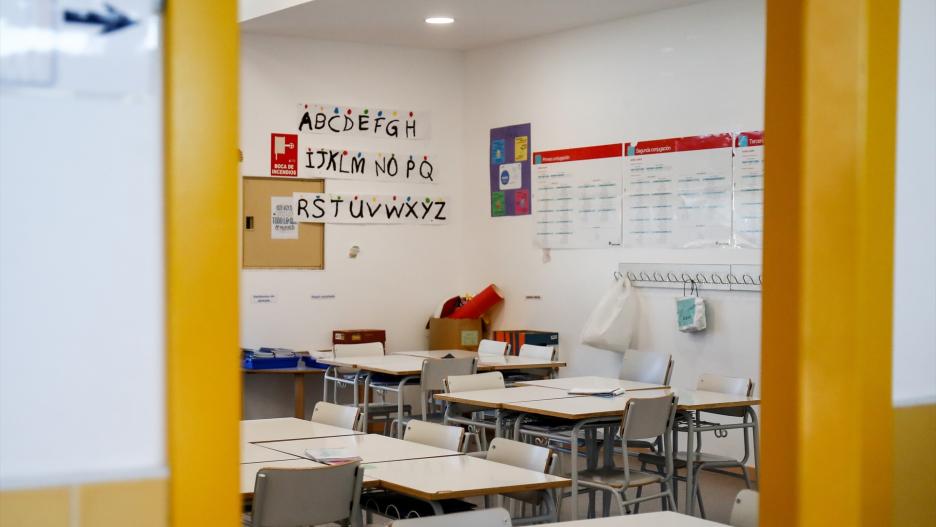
614 477
679 460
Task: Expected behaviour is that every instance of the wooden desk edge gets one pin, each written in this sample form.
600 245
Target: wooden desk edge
733 404
454 494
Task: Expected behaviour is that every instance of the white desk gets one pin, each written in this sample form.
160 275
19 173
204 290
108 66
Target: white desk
251 453
442 478
438 354
371 448
283 428
649 519
590 381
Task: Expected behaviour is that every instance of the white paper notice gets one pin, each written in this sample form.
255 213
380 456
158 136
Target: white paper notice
283 224
678 192
577 197
749 189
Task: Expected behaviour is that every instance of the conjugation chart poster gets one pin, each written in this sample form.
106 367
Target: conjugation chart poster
510 170
577 197
678 192
749 190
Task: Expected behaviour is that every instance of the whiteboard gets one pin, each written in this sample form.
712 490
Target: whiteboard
81 244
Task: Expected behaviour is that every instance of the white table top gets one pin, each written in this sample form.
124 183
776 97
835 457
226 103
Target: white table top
458 476
251 453
567 383
283 428
496 398
648 519
248 472
408 364
575 408
438 354
371 448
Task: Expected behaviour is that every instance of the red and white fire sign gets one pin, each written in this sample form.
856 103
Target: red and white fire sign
284 155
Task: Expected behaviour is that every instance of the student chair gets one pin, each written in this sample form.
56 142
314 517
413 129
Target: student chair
532 351
709 461
530 457
335 415
744 512
346 376
431 378
434 434
495 517
459 413
647 366
307 496
493 347
644 419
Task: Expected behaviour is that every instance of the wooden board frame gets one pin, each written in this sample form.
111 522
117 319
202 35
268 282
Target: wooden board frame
259 251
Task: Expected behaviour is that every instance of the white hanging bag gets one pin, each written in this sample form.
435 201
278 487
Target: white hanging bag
613 323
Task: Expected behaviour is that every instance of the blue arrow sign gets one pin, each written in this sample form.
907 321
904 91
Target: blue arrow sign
111 20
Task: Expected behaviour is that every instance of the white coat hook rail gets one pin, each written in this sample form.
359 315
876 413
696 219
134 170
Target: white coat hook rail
712 277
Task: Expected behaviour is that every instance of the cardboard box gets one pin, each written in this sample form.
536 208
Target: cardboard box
455 333
519 337
359 336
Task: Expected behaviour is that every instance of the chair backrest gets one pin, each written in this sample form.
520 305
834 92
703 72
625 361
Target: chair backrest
496 517
721 384
492 347
730 385
744 512
646 366
479 381
647 418
435 371
519 454
306 496
335 415
433 434
538 352
358 350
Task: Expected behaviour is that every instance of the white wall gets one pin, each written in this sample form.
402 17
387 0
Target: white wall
915 216
672 73
402 272
81 251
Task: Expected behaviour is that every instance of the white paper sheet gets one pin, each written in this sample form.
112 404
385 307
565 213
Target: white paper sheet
283 225
678 192
577 197
748 217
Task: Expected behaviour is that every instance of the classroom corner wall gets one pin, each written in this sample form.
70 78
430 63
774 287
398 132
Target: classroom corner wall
644 77
403 271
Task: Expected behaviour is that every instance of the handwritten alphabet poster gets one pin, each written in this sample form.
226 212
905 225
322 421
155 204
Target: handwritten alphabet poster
313 207
509 161
319 118
345 163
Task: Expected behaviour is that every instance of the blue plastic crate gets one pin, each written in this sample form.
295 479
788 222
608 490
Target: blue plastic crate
257 363
311 362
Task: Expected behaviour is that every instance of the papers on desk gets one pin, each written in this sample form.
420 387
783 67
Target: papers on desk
598 392
332 456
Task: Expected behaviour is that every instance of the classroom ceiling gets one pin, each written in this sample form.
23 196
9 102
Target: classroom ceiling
478 23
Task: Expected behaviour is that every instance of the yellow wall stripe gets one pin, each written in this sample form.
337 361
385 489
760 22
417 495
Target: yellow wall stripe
830 114
201 87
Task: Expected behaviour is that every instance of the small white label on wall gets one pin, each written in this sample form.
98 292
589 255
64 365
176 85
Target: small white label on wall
329 296
263 299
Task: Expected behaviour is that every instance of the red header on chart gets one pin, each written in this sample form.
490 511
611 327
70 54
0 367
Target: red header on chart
678 144
749 139
577 154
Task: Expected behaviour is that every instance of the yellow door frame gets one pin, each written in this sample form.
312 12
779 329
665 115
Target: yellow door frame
826 356
203 375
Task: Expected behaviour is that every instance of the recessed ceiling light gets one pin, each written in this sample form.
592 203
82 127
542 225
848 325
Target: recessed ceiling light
440 20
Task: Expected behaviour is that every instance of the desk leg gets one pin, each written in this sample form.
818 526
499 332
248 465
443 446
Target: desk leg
365 419
498 423
690 465
299 395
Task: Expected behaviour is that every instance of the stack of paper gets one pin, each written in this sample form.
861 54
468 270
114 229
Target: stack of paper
600 392
332 456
